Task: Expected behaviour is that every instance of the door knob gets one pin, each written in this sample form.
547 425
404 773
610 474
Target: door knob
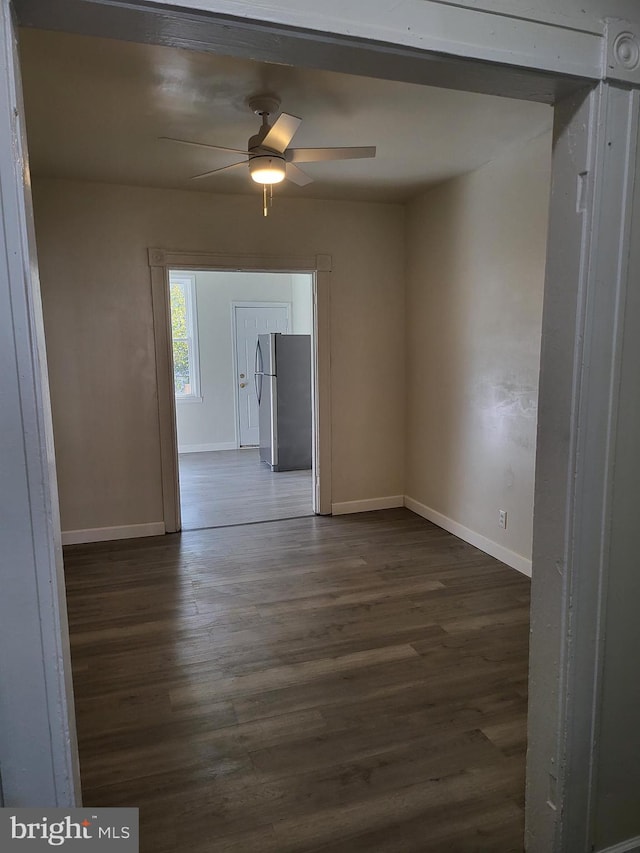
243 384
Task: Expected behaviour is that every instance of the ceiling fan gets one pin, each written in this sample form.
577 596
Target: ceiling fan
268 155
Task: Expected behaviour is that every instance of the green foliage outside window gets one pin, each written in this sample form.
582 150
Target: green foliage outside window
179 332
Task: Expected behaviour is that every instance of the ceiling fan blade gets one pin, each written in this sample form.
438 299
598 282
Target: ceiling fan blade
223 169
315 155
282 132
297 176
203 145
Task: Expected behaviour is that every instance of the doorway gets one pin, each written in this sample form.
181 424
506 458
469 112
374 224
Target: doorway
225 471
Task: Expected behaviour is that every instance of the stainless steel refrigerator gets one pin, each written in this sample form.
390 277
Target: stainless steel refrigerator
283 388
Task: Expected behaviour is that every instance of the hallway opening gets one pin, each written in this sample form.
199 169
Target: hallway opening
244 428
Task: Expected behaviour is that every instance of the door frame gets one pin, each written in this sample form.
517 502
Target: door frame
161 261
234 342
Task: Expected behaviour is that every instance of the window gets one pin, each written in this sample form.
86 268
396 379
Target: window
184 337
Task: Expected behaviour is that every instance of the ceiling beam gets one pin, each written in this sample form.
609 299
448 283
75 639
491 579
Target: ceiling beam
155 23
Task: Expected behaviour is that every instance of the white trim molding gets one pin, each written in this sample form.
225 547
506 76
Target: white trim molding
526 38
38 744
631 845
107 534
367 505
622 55
205 448
494 549
185 260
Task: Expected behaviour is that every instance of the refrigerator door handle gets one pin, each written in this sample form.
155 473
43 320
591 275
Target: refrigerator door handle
258 372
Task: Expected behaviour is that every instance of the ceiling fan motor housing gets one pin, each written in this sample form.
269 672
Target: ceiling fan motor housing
264 104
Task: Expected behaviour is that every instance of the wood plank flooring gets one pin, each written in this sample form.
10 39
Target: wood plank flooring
342 685
233 487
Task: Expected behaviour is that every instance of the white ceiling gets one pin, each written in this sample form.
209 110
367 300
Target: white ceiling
96 107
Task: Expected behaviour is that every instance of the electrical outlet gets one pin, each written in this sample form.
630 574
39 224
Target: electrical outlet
502 518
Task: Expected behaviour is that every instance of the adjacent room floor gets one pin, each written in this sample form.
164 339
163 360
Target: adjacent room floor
352 685
233 487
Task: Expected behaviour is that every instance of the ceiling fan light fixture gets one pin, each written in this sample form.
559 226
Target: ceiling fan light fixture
266 169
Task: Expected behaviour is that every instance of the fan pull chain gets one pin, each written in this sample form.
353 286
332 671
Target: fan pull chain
267 198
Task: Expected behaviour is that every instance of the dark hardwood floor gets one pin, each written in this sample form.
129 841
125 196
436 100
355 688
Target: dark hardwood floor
342 685
224 487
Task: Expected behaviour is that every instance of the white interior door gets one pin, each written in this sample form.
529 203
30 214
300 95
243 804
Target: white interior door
250 321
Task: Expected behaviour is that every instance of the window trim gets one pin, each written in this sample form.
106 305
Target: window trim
188 281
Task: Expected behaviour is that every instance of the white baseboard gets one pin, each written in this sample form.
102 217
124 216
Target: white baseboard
367 505
106 534
631 845
516 561
205 448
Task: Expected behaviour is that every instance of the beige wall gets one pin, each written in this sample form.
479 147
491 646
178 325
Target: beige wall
476 249
92 241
